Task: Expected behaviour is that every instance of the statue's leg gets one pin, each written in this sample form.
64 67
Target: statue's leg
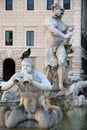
46 120
56 116
55 80
2 115
41 117
47 71
14 117
58 111
66 73
61 55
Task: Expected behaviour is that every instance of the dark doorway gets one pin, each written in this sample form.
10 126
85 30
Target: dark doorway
8 69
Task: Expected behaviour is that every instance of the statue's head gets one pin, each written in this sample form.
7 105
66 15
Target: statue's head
27 65
58 10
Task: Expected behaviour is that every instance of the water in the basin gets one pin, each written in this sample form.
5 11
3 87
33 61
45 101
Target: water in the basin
74 120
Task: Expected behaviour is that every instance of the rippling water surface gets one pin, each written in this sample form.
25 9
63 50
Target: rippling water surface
74 120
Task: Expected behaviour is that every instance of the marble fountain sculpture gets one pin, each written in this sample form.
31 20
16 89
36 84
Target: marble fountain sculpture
32 110
41 98
66 87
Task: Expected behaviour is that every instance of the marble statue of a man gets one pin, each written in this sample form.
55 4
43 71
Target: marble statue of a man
32 111
57 38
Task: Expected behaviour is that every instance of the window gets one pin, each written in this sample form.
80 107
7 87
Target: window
66 4
49 3
9 38
30 4
30 38
8 4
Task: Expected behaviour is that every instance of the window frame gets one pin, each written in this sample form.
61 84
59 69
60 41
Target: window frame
27 38
30 6
10 43
49 4
7 5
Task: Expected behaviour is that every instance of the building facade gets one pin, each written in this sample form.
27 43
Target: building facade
22 27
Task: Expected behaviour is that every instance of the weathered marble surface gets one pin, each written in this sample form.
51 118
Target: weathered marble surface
66 87
30 85
58 45
71 97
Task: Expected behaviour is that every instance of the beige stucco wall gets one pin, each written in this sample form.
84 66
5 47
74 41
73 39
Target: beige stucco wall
20 20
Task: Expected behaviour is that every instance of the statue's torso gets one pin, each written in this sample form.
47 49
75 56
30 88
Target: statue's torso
50 37
30 94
